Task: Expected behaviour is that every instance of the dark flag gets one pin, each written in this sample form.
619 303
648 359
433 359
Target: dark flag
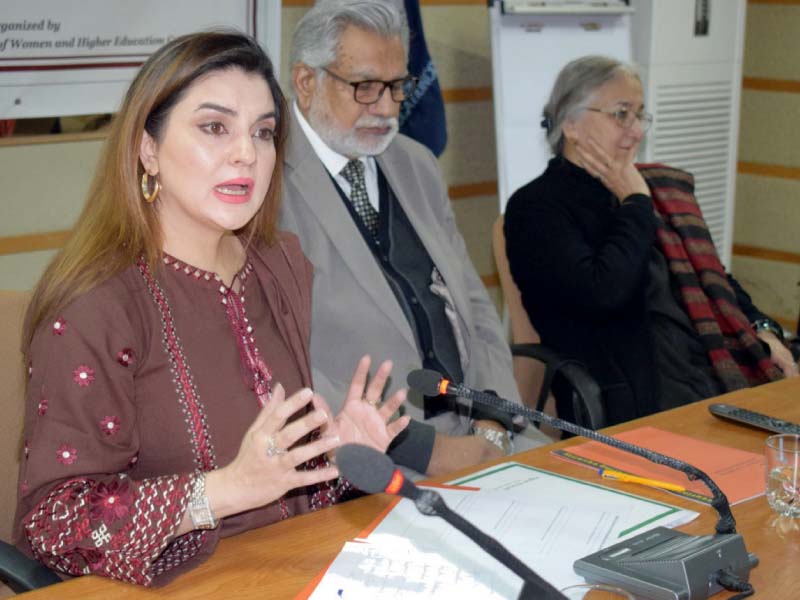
422 114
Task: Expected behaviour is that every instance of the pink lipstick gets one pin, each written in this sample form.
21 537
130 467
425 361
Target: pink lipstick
234 191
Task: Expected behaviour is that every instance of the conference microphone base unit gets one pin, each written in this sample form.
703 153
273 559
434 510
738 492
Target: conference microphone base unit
663 564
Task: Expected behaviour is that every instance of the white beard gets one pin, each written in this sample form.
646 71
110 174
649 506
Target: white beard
349 143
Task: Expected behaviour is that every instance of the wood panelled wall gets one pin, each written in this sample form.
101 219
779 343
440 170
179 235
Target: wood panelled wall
766 250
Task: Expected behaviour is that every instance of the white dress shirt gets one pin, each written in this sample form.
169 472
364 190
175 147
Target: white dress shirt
335 162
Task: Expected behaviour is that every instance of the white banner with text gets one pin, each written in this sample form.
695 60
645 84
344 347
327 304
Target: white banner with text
74 57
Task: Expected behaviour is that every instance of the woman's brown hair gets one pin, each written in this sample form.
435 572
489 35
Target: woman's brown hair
116 227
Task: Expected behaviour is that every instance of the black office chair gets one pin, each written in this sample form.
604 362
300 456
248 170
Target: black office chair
578 396
22 574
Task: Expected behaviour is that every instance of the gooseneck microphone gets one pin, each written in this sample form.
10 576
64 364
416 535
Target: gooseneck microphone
374 472
431 383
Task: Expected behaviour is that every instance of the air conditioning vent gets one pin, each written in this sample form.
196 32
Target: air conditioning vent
692 131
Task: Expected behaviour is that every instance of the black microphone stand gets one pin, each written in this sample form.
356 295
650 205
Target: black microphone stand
374 472
719 501
430 503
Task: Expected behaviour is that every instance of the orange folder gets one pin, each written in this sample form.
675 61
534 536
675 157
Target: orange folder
738 473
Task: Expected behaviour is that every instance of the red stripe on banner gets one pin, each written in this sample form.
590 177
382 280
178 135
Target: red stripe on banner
74 57
72 67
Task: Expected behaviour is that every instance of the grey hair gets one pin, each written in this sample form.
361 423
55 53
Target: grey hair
316 38
574 84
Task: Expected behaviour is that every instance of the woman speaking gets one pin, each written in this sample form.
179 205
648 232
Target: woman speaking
168 399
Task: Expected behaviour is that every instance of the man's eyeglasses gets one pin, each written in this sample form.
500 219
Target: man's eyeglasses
625 117
371 90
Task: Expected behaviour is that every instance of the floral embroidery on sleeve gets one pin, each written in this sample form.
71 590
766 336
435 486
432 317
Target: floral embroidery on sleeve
66 454
59 326
126 357
109 523
110 502
83 375
110 425
115 527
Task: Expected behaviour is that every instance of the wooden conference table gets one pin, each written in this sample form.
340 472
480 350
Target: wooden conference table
278 561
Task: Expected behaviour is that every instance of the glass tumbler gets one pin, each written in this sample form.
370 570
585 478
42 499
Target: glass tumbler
783 474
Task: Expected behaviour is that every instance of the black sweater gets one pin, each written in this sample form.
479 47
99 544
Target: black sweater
580 260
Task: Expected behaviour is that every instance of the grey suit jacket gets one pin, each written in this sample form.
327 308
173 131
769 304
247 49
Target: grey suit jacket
354 311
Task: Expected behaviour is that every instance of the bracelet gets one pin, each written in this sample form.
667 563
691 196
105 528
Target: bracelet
501 439
199 506
768 325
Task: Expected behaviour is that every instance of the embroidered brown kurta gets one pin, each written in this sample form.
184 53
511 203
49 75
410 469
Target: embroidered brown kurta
137 385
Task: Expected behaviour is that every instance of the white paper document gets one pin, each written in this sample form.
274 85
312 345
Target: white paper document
525 482
367 571
548 521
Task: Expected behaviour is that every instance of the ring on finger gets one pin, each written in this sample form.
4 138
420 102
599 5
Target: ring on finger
272 447
370 402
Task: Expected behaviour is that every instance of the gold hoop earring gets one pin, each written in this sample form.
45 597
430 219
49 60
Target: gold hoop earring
149 196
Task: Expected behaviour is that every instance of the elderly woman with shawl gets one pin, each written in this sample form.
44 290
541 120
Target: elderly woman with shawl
616 265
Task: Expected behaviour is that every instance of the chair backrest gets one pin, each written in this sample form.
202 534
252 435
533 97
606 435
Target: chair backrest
586 403
528 373
522 332
12 402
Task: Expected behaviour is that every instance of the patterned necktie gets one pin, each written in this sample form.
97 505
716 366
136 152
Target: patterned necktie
353 172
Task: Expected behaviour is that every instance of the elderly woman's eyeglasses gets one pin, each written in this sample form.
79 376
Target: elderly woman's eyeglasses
625 117
371 90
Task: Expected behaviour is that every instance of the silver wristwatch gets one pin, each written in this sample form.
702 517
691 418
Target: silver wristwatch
501 439
199 507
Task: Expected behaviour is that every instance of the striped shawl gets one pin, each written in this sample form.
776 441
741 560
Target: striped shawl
737 356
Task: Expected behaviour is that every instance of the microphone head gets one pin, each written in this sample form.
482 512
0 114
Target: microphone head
425 381
364 467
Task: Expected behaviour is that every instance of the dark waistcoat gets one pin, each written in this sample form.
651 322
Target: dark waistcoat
408 269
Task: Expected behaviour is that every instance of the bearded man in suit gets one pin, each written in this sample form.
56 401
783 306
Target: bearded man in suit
392 276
